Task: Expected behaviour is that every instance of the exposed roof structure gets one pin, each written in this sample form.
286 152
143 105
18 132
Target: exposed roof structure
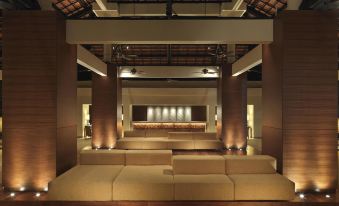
174 55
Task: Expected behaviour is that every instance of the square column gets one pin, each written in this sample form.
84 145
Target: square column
300 98
39 99
232 108
106 108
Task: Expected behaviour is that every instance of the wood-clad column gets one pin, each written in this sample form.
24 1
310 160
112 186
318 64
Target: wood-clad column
106 108
232 108
300 98
39 99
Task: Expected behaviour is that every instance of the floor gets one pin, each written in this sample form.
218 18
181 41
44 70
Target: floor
28 198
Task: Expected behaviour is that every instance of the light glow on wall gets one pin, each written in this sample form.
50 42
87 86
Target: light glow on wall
169 114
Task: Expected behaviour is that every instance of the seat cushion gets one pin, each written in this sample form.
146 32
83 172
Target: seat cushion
149 157
262 187
208 144
130 143
85 183
198 164
180 135
102 157
180 144
144 183
155 143
203 187
256 164
135 133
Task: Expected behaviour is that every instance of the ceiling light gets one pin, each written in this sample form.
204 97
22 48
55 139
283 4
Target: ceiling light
46 189
22 189
317 190
37 194
328 196
12 194
127 47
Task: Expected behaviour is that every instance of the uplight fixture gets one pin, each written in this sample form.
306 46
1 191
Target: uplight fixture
12 194
46 189
301 196
317 190
22 189
328 196
37 194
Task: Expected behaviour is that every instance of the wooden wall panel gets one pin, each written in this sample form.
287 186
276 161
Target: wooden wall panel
106 108
39 96
305 50
232 114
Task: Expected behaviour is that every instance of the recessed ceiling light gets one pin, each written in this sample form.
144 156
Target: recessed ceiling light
127 47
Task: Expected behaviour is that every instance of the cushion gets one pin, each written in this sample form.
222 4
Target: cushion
85 183
130 143
102 157
149 157
180 135
256 164
156 133
180 144
203 187
144 183
154 143
135 133
198 164
262 187
204 135
208 144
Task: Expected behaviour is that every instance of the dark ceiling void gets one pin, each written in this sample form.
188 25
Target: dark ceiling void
165 1
171 55
319 5
19 5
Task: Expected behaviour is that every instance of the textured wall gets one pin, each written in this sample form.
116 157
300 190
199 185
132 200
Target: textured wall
300 98
106 108
39 94
232 109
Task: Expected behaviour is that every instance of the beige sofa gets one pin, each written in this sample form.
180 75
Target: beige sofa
156 175
140 139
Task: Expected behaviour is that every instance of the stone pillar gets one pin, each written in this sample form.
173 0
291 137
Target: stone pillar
106 109
39 99
232 108
300 98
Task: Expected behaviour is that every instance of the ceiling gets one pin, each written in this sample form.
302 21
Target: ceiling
84 8
170 55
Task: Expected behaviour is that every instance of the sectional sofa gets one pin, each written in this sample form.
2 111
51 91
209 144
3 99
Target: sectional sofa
156 175
140 139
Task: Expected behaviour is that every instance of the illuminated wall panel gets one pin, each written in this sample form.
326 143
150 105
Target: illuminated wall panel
39 99
300 98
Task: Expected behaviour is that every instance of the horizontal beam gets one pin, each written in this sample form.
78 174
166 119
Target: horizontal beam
168 72
248 61
179 31
90 61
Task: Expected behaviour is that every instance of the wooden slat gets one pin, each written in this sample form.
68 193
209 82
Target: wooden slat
303 60
39 94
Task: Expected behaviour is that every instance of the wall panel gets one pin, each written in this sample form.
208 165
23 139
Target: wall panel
300 98
39 96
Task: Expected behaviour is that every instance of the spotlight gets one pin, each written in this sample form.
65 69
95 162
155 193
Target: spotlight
127 47
22 189
37 194
46 189
301 196
110 148
12 194
328 196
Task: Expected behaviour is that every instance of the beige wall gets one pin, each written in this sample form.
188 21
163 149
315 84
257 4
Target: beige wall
174 96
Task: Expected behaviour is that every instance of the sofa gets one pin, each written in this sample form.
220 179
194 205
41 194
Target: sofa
140 139
157 175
